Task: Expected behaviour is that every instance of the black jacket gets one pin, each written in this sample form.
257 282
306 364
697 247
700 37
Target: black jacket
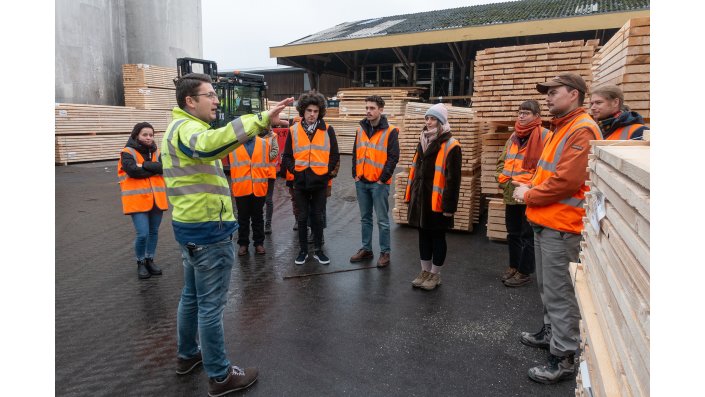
624 119
151 166
392 148
307 179
420 213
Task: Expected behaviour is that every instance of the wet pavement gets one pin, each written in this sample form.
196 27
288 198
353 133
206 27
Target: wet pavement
355 333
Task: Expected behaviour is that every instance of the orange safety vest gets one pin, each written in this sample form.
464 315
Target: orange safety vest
371 154
272 170
249 175
140 194
310 154
512 162
567 214
624 133
439 175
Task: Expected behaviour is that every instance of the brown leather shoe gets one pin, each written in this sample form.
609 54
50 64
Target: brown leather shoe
259 250
509 273
518 280
237 379
383 259
242 251
361 255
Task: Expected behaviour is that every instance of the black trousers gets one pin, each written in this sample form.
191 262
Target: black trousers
432 245
269 203
313 202
520 237
250 209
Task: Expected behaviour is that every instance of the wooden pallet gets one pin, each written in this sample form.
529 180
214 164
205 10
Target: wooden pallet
78 119
82 148
150 98
148 76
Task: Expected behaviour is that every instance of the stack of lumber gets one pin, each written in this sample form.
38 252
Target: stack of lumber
345 128
492 146
149 87
507 76
624 61
466 129
612 281
496 225
92 132
352 99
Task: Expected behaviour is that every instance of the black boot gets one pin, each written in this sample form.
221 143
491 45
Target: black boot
142 271
152 268
541 339
558 369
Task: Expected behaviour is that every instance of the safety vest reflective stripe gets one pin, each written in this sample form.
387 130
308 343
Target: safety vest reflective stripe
141 194
624 133
513 162
194 169
172 150
565 215
313 154
371 153
272 169
250 174
197 188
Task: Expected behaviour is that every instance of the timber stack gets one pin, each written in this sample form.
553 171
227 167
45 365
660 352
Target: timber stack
97 132
507 76
496 225
625 62
492 146
466 129
149 87
612 281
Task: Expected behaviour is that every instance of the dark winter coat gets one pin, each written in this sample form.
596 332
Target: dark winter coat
624 119
307 179
420 213
151 166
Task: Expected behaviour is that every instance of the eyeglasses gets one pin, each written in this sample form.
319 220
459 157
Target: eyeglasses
210 95
524 114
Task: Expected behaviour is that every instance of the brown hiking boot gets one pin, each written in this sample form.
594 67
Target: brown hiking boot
431 282
237 379
259 250
186 365
383 259
361 255
509 273
518 280
420 278
242 251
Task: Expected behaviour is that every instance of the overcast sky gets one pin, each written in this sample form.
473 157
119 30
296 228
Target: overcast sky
239 37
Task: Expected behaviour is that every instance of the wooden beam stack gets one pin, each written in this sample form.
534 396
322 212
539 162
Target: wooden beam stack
464 127
352 99
496 225
612 282
507 76
149 87
625 61
96 132
492 146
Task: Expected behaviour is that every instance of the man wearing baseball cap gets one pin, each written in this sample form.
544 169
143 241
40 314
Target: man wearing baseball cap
554 207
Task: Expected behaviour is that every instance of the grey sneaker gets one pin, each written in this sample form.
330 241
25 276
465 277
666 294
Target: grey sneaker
186 365
237 379
558 369
420 278
541 339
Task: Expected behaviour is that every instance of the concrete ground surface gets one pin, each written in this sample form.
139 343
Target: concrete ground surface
356 333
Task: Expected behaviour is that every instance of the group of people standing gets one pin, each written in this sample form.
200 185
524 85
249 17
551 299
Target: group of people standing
542 173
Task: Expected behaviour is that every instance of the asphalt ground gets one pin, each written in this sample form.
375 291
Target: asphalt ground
358 333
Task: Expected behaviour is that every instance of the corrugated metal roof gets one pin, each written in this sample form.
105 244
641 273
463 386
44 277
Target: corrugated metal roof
478 15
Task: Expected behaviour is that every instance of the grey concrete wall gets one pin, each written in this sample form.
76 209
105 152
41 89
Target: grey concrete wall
94 38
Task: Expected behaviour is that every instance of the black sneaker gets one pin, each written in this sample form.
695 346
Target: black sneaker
152 267
558 369
301 259
186 365
142 271
541 339
237 379
321 257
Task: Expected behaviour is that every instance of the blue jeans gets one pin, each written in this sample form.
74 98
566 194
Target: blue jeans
369 196
147 227
206 281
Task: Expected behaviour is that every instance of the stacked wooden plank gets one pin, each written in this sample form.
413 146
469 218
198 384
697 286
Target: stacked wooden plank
466 128
345 128
149 87
352 99
612 281
496 225
92 132
492 146
624 61
507 76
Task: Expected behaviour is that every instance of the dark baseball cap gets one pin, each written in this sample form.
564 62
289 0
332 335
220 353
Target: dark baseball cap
568 79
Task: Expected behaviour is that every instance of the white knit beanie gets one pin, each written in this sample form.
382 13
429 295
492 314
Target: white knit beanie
439 112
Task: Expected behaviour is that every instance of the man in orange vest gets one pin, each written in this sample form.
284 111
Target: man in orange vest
310 156
616 121
554 207
375 156
250 170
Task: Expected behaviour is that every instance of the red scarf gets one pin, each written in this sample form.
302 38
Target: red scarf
534 146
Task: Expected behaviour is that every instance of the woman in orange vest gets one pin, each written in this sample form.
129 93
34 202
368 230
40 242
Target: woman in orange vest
143 194
518 163
615 119
432 193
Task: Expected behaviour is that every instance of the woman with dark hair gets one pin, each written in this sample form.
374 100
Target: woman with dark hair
143 194
518 163
432 193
